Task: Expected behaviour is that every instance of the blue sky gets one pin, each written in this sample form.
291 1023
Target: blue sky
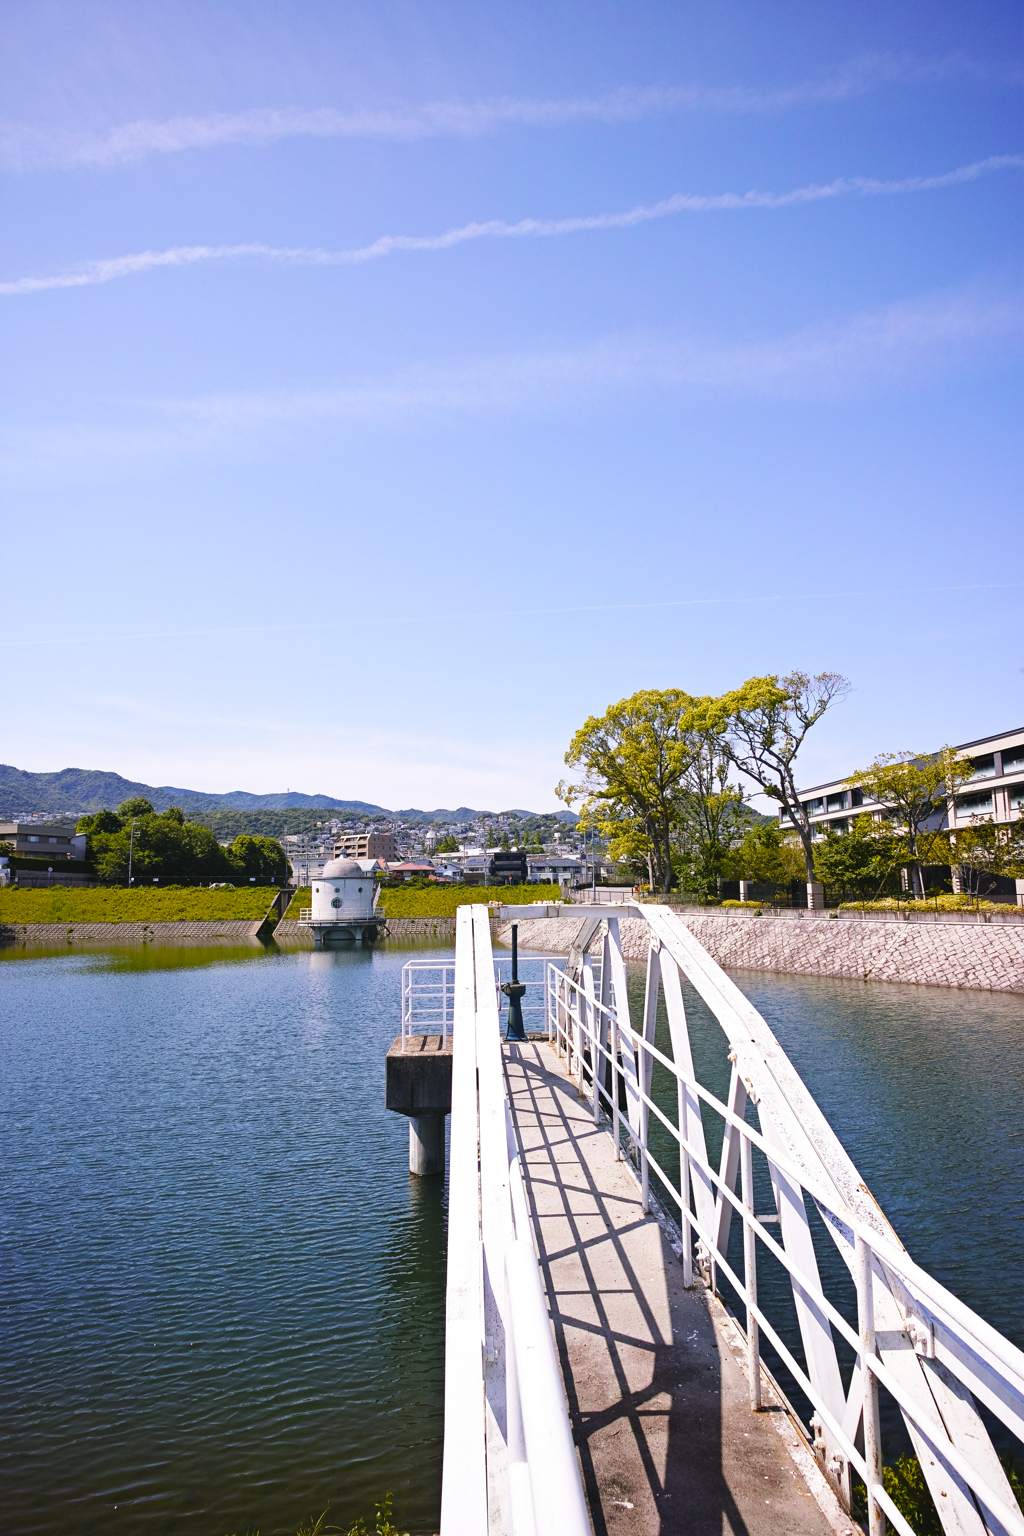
388 387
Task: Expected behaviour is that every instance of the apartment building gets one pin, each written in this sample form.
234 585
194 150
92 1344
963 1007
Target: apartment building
367 845
36 840
994 792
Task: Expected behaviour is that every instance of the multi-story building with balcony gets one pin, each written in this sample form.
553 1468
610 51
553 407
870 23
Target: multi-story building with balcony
367 845
995 791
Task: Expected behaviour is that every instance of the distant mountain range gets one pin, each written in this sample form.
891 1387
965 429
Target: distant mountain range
76 791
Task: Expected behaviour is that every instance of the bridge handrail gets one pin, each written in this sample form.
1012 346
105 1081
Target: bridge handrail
943 1336
503 1469
428 997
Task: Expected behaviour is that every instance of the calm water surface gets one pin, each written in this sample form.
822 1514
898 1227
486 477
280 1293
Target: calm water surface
222 1295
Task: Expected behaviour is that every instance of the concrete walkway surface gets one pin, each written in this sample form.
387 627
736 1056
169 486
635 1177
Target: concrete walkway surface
655 1382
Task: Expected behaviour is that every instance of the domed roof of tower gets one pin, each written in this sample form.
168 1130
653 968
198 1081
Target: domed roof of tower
342 869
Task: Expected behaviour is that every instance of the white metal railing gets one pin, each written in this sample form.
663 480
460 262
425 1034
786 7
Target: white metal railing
912 1337
532 971
506 1467
339 919
428 998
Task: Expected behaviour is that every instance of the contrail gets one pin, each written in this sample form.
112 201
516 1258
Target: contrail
114 267
26 146
447 618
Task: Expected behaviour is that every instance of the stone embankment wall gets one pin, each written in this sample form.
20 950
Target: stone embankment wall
969 955
117 935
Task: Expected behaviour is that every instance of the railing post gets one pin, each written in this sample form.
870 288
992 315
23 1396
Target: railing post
684 1190
614 1038
750 1273
645 1172
872 1427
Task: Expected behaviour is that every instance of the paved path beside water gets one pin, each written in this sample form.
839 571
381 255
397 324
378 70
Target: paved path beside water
657 1396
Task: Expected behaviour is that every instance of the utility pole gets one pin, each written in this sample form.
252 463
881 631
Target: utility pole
131 849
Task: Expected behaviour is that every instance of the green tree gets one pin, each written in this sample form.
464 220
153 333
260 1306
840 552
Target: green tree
139 806
859 862
259 858
765 856
100 821
631 762
504 841
447 844
914 788
985 849
710 814
767 720
167 847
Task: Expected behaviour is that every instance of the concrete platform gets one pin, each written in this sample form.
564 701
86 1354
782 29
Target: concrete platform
654 1375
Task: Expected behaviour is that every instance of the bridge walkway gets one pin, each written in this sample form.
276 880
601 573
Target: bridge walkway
654 1373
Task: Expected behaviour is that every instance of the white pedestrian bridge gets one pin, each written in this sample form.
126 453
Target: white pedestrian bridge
593 1379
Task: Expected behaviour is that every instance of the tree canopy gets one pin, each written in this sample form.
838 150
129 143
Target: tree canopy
915 786
653 772
631 762
767 721
168 848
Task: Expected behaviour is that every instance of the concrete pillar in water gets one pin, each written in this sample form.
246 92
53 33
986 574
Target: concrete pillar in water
426 1144
419 1085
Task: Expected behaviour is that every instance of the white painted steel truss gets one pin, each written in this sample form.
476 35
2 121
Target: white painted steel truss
935 1356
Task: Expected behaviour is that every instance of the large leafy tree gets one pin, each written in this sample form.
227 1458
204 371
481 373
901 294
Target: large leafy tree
710 814
765 856
915 788
630 765
767 720
259 858
860 862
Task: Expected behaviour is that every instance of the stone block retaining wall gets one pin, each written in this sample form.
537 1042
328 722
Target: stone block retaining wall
969 955
116 935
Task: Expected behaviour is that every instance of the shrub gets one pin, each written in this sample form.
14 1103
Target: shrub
945 903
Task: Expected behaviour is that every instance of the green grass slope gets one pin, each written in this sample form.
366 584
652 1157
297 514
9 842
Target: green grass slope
187 905
442 900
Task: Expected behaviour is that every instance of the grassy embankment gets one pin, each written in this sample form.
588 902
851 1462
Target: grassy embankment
64 904
443 900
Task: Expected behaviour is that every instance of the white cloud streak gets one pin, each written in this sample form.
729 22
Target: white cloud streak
112 268
899 343
25 147
920 342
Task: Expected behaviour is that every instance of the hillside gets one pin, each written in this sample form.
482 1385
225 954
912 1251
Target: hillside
75 791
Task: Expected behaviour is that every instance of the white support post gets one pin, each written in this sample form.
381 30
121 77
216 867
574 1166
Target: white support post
815 1330
464 1476
630 1065
589 1013
869 1384
495 1221
750 1275
650 1025
691 1124
729 1165
616 1128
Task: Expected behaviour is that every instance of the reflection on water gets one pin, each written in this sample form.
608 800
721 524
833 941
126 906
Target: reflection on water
222 1292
